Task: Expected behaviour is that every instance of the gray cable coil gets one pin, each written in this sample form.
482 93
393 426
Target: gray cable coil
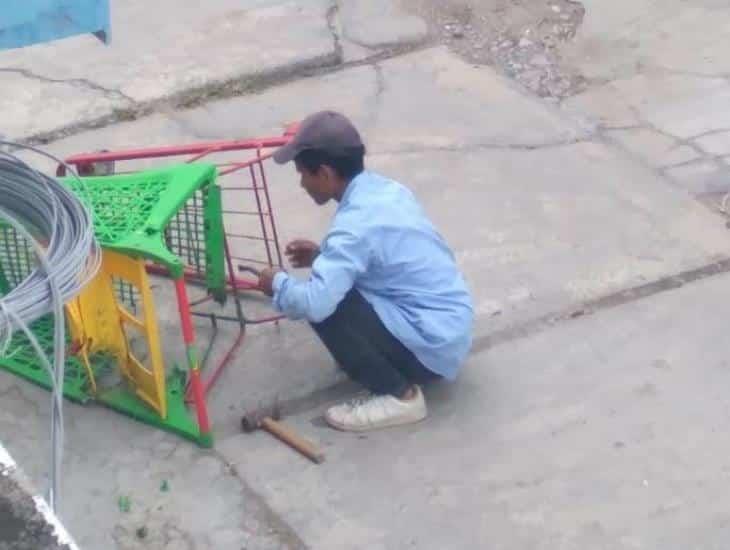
58 226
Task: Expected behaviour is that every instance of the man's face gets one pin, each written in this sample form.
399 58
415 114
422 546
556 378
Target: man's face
319 185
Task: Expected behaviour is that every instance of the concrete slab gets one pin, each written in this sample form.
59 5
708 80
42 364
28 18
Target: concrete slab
600 433
603 107
380 23
107 457
650 71
32 105
701 177
161 50
655 148
622 38
435 99
533 236
503 175
541 218
679 105
715 143
698 112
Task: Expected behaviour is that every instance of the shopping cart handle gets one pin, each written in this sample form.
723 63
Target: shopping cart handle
249 269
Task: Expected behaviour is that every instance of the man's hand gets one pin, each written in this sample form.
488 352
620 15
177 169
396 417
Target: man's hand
301 253
266 280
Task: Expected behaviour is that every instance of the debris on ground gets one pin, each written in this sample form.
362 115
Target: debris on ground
521 39
125 504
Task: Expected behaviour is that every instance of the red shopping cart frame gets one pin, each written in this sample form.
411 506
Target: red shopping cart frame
252 171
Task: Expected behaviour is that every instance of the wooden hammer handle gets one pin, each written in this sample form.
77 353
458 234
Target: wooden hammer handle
286 435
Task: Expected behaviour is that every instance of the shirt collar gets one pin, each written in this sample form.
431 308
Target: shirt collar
351 188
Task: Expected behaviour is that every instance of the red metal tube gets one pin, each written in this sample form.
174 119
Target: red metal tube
189 336
199 399
241 165
177 150
265 185
224 362
184 309
261 216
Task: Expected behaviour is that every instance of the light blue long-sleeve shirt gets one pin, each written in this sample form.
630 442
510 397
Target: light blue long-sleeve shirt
381 243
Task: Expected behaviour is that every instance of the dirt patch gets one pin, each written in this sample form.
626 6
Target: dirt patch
22 527
521 38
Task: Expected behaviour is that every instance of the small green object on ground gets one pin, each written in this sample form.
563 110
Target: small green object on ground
125 505
165 486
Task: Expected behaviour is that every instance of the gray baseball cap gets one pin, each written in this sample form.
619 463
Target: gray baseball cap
326 131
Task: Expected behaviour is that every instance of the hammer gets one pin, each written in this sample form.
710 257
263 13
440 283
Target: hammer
268 419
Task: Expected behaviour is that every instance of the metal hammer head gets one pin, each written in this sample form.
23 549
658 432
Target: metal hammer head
252 420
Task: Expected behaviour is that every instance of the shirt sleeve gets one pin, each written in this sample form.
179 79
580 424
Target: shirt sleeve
344 256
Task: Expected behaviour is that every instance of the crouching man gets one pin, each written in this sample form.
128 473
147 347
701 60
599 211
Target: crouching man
384 295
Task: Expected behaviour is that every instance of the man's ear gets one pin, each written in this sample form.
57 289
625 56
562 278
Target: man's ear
329 173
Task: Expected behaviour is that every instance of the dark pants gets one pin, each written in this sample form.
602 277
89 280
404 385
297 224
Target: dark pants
367 351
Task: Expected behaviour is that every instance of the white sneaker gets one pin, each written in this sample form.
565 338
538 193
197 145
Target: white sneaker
371 412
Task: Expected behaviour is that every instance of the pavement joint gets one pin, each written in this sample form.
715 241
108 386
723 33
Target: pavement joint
478 146
703 156
684 72
238 87
343 389
632 294
718 160
282 528
710 133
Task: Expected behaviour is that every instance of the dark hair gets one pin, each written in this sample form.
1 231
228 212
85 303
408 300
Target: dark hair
347 163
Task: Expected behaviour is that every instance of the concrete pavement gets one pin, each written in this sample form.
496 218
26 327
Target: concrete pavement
562 433
176 54
606 432
662 84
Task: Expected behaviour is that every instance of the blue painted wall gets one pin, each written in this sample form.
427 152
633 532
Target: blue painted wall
26 22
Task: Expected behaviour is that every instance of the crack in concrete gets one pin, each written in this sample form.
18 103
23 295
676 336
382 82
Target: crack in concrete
332 14
377 96
684 72
480 146
628 128
379 84
236 87
345 388
703 156
710 133
633 294
77 82
278 527
667 167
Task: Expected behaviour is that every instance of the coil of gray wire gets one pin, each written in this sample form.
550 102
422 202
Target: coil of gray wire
58 227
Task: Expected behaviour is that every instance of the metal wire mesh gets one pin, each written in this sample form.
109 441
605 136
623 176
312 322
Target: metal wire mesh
185 234
127 294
